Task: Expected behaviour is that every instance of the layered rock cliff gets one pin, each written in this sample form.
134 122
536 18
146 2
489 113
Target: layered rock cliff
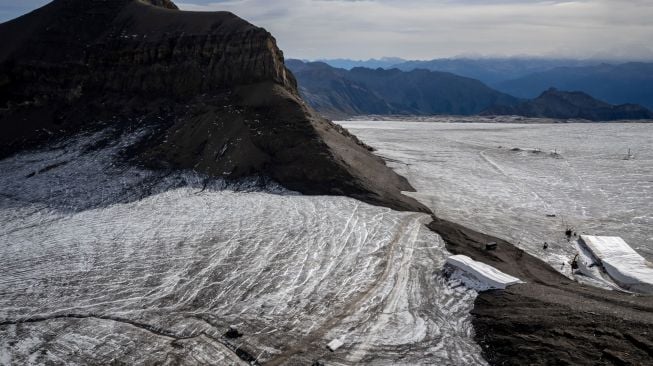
211 87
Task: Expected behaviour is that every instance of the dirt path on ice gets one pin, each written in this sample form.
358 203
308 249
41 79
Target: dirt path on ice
316 337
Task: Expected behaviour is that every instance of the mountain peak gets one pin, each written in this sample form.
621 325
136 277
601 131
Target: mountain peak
162 3
558 104
167 4
211 89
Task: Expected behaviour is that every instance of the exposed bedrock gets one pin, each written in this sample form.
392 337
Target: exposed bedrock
550 319
212 87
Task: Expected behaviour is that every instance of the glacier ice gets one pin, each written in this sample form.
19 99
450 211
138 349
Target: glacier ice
102 261
507 180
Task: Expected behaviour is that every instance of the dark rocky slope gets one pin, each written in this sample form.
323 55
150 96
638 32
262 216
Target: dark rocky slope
212 88
550 319
338 93
571 105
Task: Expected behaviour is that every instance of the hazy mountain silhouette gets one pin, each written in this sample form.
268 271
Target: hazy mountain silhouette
338 92
572 105
348 64
617 84
492 70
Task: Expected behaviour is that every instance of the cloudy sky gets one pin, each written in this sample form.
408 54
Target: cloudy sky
426 29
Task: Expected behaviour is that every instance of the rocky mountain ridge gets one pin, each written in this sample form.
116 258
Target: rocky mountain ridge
340 93
558 104
211 87
621 83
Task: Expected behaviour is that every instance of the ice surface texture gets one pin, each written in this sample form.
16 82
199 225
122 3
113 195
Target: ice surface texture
102 262
469 173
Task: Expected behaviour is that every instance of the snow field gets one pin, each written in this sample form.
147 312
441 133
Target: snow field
102 261
508 179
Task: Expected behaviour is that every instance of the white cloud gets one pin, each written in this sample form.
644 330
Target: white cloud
423 29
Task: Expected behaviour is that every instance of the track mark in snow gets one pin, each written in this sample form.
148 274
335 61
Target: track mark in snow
318 334
166 250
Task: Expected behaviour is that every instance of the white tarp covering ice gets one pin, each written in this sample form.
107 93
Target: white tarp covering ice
592 273
484 277
626 267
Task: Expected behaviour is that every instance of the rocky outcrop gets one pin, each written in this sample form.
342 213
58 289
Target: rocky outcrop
549 319
212 88
558 104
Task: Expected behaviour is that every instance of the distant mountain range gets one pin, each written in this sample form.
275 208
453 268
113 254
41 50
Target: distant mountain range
617 84
338 93
491 71
447 86
373 63
528 77
571 105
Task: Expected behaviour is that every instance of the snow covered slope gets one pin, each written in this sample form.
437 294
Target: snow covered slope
101 262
